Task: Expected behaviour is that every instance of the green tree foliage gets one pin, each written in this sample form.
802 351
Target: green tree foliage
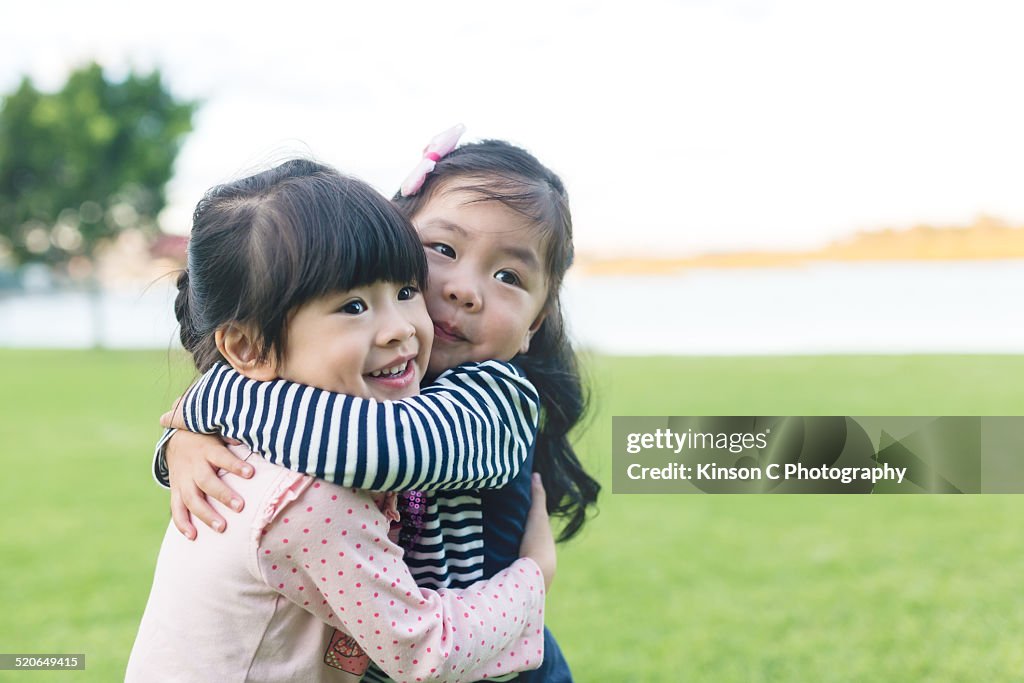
80 165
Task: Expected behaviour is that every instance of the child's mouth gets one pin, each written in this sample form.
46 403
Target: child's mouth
447 333
397 376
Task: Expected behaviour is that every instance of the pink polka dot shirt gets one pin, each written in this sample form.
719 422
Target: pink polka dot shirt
306 585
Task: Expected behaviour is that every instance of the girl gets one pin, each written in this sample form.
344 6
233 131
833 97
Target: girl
496 228
287 266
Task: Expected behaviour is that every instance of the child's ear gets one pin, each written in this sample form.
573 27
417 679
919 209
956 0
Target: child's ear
533 330
238 344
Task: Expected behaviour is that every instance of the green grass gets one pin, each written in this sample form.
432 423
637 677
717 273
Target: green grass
656 588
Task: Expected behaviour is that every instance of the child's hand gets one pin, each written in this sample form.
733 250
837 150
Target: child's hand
193 461
538 541
174 418
387 502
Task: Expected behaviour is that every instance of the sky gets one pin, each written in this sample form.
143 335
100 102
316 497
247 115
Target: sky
678 127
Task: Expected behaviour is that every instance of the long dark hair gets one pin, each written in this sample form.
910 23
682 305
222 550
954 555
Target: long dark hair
495 170
266 244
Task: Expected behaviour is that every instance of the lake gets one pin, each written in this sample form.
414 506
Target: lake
892 307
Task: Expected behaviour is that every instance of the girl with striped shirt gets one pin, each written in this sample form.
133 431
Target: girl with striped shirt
497 232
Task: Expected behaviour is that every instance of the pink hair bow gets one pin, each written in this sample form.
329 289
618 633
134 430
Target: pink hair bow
439 146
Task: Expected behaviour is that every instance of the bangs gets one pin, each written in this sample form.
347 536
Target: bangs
361 239
342 235
316 234
532 200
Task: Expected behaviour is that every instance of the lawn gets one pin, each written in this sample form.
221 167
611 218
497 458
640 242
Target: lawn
657 588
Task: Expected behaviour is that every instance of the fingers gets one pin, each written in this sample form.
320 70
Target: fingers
173 419
214 487
220 457
193 461
180 516
539 504
537 485
538 542
194 499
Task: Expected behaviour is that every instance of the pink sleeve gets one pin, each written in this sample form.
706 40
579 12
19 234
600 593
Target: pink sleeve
327 550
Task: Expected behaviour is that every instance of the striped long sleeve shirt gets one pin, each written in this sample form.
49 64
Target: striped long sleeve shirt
471 429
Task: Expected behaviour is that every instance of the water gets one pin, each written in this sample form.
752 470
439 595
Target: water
140 318
941 307
971 307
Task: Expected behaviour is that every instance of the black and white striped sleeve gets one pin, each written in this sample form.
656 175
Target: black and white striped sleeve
472 428
160 472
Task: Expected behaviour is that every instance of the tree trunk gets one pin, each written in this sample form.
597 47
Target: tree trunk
95 293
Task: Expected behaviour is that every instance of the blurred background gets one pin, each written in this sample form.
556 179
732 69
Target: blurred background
780 207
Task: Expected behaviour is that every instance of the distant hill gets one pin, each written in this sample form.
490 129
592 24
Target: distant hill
986 238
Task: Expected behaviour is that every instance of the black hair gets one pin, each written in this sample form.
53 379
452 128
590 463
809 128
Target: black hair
266 244
495 170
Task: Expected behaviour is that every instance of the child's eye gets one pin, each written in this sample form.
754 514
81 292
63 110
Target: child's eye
354 307
443 249
407 292
507 276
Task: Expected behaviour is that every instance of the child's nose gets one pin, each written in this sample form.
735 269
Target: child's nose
396 328
462 293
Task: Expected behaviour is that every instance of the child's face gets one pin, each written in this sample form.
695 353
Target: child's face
487 282
349 342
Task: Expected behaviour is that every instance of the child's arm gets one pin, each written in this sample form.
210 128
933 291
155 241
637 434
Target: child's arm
472 428
358 582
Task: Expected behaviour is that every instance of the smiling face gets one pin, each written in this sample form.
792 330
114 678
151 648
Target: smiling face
371 341
487 284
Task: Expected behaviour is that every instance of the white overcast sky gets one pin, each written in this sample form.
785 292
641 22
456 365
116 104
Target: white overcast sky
677 126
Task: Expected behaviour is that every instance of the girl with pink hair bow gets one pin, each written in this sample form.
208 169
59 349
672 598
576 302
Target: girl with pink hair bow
497 231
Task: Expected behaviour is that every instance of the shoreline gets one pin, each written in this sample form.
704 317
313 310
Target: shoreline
986 240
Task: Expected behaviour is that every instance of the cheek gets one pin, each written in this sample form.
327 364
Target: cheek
436 267
436 309
514 315
342 358
502 337
424 328
432 297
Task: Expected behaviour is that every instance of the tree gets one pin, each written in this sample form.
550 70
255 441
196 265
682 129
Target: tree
82 164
